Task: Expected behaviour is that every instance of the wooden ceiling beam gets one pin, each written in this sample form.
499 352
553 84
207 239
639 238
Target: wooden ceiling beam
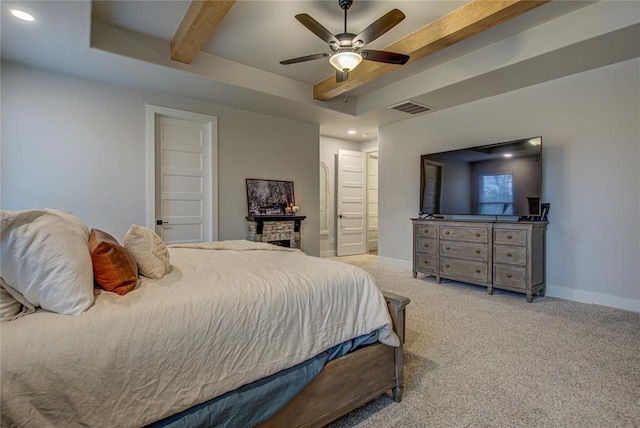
462 23
197 25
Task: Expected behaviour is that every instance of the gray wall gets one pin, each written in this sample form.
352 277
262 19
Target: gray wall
591 161
79 145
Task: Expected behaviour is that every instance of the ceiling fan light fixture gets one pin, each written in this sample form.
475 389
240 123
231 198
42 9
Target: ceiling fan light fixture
346 53
345 61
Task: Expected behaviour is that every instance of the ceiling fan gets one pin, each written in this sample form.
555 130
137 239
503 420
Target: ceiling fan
346 48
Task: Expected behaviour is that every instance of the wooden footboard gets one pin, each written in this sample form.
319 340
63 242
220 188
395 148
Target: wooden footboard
350 381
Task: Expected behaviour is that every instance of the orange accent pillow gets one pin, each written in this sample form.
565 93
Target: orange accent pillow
114 269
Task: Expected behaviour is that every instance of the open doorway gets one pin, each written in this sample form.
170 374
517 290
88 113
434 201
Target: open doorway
330 209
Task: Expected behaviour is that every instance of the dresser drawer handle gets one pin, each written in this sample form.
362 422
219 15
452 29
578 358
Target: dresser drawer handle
426 262
426 245
426 231
509 236
477 251
508 254
447 248
477 270
508 275
477 235
447 266
447 232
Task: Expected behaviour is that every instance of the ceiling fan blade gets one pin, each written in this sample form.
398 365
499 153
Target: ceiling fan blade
341 76
381 26
384 56
304 58
316 28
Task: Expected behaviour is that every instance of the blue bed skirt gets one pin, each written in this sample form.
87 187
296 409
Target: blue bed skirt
256 402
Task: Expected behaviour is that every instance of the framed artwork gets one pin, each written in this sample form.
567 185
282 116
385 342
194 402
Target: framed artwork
269 197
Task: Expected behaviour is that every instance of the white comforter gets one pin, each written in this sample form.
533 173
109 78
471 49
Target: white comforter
218 320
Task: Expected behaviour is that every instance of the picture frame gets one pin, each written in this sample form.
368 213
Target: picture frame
269 197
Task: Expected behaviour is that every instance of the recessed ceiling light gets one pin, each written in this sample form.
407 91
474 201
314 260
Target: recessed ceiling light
351 131
21 14
507 155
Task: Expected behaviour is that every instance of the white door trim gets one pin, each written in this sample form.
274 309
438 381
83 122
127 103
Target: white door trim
211 158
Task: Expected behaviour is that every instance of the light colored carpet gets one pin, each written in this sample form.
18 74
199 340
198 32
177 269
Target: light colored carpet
475 360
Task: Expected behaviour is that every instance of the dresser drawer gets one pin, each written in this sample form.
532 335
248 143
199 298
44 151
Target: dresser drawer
464 268
510 236
510 254
425 245
464 250
426 231
425 262
469 234
512 276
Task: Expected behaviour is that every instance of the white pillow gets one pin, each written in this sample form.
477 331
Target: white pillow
45 258
12 304
9 307
151 255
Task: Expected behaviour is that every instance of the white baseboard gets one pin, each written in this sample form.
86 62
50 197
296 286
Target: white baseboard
581 296
387 261
592 298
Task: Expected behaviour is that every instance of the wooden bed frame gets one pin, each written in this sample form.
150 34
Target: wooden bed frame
350 381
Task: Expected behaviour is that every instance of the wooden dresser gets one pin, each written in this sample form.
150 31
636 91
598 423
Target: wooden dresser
504 255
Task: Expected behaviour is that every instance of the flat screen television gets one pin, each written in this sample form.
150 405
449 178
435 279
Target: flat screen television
503 179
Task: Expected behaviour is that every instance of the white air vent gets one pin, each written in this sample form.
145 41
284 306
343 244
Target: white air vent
411 107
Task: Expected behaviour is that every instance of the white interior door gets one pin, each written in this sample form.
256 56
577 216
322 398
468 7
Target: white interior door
183 205
351 231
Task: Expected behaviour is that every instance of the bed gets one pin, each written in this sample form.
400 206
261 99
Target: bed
225 318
